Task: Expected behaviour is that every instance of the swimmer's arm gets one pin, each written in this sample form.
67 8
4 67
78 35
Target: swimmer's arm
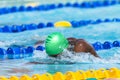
94 52
38 43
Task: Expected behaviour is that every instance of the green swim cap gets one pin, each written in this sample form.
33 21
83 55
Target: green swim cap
55 43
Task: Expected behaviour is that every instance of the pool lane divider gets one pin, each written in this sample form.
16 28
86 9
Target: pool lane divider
62 24
99 74
89 4
24 52
16 52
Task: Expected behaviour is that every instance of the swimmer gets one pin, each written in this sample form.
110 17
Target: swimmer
55 48
74 45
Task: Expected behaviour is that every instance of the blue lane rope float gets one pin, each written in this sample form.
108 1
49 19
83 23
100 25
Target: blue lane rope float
22 52
75 24
92 22
47 7
16 52
106 45
24 27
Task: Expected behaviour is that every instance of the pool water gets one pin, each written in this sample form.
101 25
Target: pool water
66 62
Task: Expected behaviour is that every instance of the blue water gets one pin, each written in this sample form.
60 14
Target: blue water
91 33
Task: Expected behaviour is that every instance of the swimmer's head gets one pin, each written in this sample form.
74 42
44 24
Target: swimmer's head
55 44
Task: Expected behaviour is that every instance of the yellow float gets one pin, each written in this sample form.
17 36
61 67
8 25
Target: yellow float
14 78
101 74
64 24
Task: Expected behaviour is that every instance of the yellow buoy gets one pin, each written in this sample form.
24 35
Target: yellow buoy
70 76
36 77
46 76
25 77
64 24
3 78
58 76
32 4
14 78
80 75
90 73
101 74
114 73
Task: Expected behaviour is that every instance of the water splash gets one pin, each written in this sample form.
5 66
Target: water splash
68 57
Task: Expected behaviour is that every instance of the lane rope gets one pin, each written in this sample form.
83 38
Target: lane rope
23 52
100 74
74 24
91 4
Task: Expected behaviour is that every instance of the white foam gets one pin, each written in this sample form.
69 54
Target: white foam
69 57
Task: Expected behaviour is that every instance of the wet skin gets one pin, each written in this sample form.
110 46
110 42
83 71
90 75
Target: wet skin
80 45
